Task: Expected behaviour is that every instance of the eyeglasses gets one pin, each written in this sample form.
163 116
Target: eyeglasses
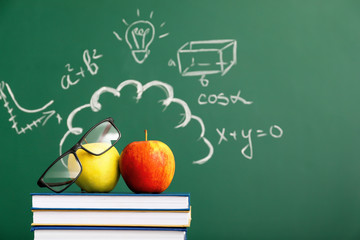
67 168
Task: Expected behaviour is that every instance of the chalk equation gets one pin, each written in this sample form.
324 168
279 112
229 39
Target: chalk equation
202 58
139 35
90 66
222 99
41 119
273 131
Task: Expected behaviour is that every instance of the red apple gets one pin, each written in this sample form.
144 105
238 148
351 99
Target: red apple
147 166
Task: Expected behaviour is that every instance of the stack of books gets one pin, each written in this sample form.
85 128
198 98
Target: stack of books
110 216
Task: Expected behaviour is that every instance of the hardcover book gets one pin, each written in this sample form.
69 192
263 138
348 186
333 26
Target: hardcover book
108 233
111 201
111 218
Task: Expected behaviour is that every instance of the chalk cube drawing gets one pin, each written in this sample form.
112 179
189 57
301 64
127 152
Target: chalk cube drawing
201 58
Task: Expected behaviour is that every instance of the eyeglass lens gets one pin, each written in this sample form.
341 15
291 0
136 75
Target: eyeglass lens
62 173
101 138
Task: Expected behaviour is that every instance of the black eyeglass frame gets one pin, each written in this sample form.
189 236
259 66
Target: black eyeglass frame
73 150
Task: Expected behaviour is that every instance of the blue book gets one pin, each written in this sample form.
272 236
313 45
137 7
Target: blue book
108 233
111 201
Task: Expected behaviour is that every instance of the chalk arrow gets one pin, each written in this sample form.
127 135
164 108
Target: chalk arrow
46 116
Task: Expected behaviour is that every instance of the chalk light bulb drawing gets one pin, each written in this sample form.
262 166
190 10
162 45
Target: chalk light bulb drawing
139 35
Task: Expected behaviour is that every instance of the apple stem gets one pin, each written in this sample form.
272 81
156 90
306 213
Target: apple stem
145 135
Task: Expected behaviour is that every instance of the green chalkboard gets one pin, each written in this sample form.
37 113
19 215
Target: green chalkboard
257 99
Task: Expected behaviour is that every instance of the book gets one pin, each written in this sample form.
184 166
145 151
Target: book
108 233
111 218
111 201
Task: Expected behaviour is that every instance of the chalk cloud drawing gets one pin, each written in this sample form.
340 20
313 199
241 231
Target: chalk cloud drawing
139 35
46 114
96 106
202 58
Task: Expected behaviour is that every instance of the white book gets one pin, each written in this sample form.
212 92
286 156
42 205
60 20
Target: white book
108 233
115 201
111 218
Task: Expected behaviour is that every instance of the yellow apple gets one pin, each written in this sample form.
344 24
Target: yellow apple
99 173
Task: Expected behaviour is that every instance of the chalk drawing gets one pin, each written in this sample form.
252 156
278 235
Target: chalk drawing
139 35
90 66
233 135
249 146
171 63
280 131
59 118
46 115
247 151
222 135
202 58
221 99
96 106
